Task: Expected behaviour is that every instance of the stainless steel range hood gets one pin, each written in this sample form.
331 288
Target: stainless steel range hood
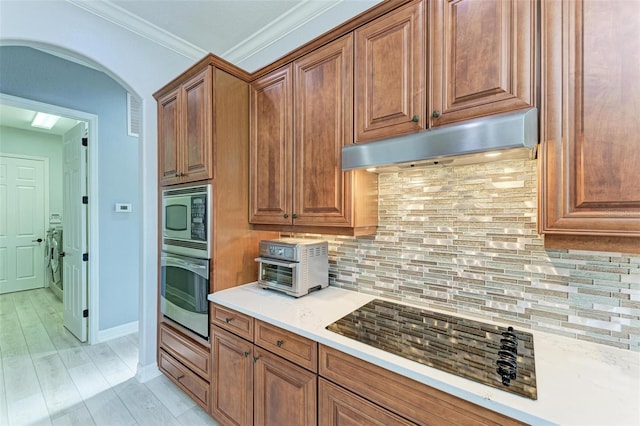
503 136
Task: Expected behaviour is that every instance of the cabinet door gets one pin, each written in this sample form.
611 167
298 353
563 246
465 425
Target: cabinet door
271 149
169 138
590 127
232 383
197 116
482 57
390 75
284 394
323 87
339 407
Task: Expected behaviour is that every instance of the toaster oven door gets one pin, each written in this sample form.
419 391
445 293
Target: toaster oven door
279 275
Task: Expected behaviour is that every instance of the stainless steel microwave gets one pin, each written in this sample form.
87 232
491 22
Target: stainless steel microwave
186 220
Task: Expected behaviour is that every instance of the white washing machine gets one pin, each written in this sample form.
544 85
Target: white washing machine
53 260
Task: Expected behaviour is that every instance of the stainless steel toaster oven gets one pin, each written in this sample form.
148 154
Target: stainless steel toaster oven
293 266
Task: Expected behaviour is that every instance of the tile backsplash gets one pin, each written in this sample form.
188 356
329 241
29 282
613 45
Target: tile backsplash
463 239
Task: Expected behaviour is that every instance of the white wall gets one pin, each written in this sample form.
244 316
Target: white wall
38 144
139 65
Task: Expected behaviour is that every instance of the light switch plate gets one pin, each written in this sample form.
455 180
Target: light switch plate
123 207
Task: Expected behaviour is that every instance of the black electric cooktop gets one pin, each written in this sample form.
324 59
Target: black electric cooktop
496 356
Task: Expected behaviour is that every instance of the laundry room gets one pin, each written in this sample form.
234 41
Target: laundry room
32 160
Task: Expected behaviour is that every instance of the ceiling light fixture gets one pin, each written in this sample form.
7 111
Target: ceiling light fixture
44 121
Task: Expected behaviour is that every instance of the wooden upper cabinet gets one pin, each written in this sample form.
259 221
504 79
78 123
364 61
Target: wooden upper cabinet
301 117
197 119
271 110
390 74
481 58
323 104
185 125
169 137
590 134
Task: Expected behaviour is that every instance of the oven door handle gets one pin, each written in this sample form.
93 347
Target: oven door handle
202 270
275 262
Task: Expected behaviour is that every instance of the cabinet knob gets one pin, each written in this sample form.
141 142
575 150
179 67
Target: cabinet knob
435 114
415 118
246 354
280 343
182 174
286 215
255 359
295 215
177 174
228 320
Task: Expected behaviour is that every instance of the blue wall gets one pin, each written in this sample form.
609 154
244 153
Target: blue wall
31 74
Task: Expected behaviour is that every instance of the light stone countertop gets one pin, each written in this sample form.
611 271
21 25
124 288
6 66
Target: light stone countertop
578 383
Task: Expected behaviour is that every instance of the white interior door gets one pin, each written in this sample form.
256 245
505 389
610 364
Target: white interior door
74 225
22 223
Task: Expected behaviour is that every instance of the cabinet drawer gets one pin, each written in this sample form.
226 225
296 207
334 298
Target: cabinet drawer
232 321
188 381
339 407
290 346
410 399
188 352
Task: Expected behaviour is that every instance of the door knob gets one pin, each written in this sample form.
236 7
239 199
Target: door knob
39 240
62 254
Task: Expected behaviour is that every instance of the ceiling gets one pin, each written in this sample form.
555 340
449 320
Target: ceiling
247 33
20 118
240 31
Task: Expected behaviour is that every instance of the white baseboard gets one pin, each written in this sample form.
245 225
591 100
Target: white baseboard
119 331
147 372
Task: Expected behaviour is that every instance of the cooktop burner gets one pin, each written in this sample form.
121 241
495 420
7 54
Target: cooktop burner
495 356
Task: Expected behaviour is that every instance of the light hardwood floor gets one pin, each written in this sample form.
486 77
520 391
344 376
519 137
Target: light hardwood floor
48 377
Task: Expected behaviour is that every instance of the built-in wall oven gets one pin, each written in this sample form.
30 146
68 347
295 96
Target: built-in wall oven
184 286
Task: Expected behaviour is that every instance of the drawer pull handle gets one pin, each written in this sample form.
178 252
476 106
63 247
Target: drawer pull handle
179 377
246 354
228 320
280 343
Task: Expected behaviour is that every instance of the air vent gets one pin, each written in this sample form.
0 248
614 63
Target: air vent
134 115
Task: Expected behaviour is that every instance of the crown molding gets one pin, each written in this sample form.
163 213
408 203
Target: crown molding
127 20
304 12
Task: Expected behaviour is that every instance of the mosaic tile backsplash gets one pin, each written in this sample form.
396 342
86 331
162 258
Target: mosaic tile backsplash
463 239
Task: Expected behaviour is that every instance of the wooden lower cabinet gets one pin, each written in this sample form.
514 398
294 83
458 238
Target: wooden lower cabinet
284 394
252 386
232 378
412 400
186 362
192 384
339 407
